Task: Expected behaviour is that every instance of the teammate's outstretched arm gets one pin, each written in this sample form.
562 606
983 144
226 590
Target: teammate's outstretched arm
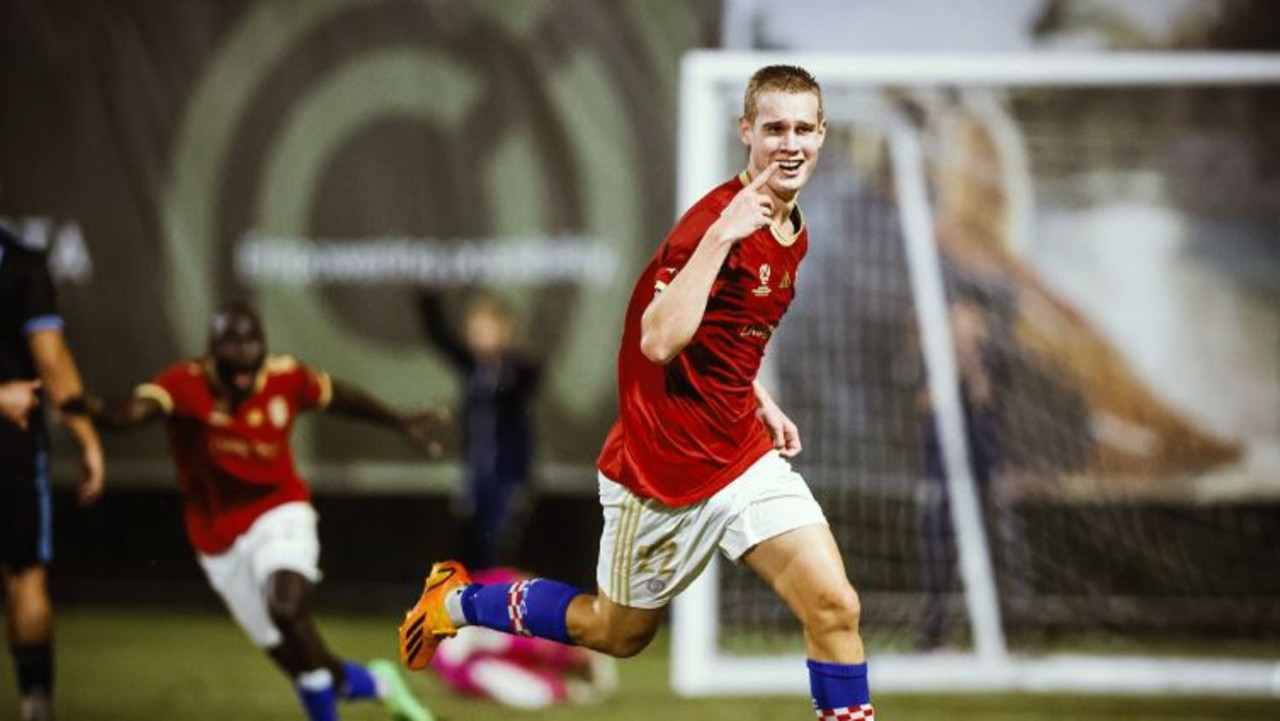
123 412
423 428
61 378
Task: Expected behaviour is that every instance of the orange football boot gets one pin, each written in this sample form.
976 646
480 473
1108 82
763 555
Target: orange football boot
428 623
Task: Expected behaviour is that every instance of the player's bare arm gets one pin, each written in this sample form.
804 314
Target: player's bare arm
122 413
673 317
61 379
423 428
783 431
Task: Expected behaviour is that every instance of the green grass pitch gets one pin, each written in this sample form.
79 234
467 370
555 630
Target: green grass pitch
147 663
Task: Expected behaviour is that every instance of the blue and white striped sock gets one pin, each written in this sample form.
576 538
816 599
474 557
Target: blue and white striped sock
532 607
840 691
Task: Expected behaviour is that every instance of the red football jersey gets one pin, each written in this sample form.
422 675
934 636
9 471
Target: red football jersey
233 467
688 428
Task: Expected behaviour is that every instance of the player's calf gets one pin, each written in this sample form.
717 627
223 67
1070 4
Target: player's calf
619 631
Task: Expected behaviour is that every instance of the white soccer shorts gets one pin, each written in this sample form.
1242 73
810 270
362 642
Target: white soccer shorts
649 552
282 539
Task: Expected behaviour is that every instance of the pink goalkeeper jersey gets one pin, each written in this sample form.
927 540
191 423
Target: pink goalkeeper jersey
688 428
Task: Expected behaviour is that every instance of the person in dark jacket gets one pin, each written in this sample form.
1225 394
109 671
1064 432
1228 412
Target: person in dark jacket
500 382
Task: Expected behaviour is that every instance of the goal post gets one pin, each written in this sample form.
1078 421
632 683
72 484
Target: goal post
1070 509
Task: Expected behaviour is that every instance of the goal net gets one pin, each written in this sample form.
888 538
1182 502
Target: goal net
1035 359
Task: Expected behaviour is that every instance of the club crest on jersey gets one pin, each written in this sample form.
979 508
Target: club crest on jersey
278 411
763 289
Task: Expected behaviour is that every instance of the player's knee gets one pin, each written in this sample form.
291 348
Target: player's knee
285 610
285 606
27 592
287 594
834 609
626 647
29 581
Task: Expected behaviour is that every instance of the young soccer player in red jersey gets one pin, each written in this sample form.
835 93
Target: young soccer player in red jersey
697 460
230 414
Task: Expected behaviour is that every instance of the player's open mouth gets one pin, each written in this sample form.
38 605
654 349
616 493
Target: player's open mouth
790 166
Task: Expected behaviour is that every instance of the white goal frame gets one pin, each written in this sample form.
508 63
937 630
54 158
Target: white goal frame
698 668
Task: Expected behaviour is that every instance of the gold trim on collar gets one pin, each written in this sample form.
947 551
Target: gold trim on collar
788 239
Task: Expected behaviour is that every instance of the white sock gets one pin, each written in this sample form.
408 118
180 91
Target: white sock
317 680
453 607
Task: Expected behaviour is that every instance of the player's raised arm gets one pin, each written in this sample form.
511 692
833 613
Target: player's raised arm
674 315
438 330
423 428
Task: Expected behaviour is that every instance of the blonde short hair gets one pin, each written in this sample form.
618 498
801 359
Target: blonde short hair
782 78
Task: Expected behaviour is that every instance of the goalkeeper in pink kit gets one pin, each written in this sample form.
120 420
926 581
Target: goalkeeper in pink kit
698 459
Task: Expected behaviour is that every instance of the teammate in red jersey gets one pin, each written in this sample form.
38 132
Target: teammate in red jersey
248 514
698 458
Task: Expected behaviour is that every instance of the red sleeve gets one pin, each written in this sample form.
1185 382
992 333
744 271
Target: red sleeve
175 388
680 244
312 388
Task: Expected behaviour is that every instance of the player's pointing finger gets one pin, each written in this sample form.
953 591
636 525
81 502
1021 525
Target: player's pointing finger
759 181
